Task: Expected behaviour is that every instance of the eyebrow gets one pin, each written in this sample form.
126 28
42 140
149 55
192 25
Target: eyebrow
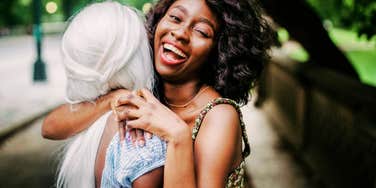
204 20
201 19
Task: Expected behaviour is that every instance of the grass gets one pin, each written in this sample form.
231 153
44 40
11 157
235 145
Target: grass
361 52
365 64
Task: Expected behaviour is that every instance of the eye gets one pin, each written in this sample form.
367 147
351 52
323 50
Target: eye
203 30
175 18
203 33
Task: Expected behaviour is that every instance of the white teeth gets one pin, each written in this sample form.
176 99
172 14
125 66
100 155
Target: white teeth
174 49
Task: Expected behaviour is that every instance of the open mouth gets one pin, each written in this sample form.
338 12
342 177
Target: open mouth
172 55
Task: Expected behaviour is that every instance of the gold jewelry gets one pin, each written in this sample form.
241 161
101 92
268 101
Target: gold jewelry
114 105
139 92
187 103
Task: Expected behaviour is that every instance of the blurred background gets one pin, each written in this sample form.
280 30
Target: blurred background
311 121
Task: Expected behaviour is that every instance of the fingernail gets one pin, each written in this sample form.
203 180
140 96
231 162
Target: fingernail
141 143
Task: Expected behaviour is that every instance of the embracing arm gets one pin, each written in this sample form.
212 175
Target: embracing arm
208 162
64 122
179 170
216 152
218 146
204 164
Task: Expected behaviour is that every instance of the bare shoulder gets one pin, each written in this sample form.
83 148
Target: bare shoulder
222 115
220 123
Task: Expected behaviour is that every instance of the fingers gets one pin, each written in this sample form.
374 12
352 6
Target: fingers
121 128
147 95
140 140
132 99
132 135
114 105
128 114
148 135
136 124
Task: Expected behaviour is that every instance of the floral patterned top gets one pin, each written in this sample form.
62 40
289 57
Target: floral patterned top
237 178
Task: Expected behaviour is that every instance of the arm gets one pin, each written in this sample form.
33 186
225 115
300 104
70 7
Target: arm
152 116
215 150
62 122
179 167
214 153
218 146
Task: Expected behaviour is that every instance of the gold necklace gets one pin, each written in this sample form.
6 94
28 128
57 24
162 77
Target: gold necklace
187 103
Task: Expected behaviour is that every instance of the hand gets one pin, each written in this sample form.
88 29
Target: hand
115 107
150 115
136 135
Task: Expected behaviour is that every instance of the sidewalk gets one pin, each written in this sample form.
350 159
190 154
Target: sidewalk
270 164
22 100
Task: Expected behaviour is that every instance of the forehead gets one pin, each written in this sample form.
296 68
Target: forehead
196 9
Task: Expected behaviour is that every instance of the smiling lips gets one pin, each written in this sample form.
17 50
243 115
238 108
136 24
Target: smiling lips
171 55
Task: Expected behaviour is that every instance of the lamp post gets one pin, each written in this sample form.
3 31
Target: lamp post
39 74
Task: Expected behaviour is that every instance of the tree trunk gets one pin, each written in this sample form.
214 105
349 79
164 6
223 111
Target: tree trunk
67 8
306 27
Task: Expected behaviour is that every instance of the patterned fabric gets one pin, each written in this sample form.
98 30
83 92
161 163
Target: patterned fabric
237 177
125 162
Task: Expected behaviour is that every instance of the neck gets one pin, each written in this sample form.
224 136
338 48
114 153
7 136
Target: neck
181 93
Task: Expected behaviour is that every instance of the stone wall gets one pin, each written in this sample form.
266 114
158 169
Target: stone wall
329 119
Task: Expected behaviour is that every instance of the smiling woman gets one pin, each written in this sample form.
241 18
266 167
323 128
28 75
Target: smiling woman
183 40
208 54
240 39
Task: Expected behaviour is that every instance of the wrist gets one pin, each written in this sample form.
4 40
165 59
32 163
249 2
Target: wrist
104 102
181 134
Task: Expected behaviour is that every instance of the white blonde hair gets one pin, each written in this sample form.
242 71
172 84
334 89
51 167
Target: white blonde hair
104 47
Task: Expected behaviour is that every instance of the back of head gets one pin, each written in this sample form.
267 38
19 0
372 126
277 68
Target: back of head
105 47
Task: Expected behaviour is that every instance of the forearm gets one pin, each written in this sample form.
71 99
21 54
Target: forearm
179 167
64 122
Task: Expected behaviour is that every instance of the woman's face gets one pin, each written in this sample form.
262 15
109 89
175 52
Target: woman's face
183 40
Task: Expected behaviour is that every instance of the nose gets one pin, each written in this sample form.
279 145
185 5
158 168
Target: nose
181 34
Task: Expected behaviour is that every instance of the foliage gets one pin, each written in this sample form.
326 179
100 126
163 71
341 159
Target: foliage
20 12
15 12
360 52
359 15
78 4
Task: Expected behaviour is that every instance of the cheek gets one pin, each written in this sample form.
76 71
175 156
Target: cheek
203 49
162 26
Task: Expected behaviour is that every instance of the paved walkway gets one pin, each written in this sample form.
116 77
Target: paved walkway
270 165
21 99
28 160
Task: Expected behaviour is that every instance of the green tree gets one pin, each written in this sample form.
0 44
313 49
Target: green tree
15 12
359 15
304 25
72 6
137 3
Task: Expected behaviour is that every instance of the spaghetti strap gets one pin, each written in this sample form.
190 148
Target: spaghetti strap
208 107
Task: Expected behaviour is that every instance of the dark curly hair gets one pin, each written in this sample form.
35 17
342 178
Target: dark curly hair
242 41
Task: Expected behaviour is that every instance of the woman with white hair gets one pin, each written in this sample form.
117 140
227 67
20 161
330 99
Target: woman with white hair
105 47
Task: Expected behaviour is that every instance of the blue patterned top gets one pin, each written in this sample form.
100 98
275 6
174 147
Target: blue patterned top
125 162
